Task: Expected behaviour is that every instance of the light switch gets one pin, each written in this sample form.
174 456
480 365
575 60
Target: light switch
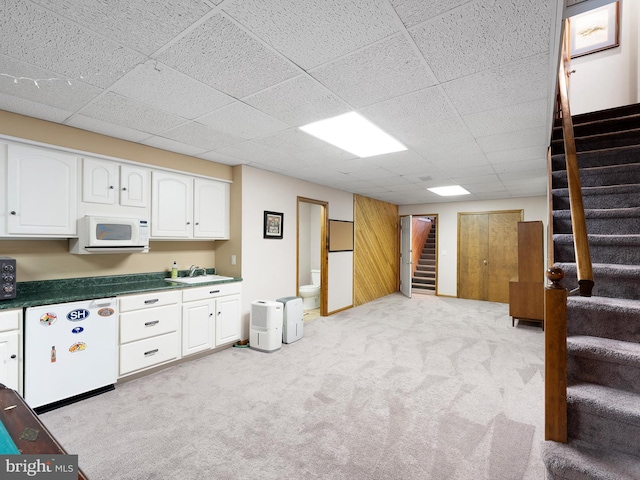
233 259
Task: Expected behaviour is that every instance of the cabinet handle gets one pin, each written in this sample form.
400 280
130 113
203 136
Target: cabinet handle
153 300
151 323
188 223
13 212
111 187
14 356
151 352
124 189
214 291
197 223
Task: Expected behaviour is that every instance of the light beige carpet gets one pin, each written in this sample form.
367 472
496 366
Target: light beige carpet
427 388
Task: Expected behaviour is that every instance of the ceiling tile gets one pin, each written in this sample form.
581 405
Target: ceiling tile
292 141
164 88
133 23
405 116
249 151
173 146
508 119
510 84
242 121
387 69
37 36
482 35
196 134
114 108
314 32
32 109
222 55
215 156
412 12
42 86
105 128
518 154
522 166
298 101
537 136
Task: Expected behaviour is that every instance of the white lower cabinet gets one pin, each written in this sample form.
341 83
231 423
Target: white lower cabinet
210 316
149 330
160 327
11 365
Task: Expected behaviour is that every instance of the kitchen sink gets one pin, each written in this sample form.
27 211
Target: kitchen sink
198 279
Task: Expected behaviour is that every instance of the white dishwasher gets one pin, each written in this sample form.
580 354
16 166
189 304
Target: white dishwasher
70 351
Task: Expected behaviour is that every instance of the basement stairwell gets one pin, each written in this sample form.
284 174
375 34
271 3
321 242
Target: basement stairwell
603 330
424 276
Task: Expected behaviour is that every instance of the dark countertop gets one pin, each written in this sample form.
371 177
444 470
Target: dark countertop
47 292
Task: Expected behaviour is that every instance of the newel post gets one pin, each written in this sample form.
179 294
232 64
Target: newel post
555 353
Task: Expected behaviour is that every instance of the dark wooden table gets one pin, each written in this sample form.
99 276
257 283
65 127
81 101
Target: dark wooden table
22 417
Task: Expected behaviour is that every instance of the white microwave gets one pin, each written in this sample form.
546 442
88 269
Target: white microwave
111 235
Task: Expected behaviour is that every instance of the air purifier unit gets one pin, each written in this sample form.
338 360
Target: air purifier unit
265 332
292 319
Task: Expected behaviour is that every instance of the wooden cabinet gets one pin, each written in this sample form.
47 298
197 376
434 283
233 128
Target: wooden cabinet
41 188
149 330
11 364
112 183
184 207
526 291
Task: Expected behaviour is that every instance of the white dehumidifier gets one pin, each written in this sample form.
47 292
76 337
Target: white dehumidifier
292 318
265 333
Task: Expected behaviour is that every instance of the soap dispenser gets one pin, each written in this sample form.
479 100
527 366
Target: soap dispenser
174 270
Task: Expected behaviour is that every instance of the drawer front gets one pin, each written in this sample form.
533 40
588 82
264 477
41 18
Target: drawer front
10 320
211 291
149 352
146 300
150 322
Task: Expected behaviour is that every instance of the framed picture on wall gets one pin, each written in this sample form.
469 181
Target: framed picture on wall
273 224
595 30
340 236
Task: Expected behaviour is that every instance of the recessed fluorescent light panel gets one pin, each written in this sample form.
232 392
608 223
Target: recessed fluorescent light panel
355 134
449 191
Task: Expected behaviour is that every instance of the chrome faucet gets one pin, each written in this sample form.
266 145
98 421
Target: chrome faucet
193 271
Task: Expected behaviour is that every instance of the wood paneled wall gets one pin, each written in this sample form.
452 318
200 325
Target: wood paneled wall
376 250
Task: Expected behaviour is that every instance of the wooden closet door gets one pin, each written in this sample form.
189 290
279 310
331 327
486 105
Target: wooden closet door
473 231
487 254
502 254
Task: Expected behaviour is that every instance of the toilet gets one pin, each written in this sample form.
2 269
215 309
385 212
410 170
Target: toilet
311 293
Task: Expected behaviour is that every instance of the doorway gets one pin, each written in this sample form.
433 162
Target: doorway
487 254
418 254
311 258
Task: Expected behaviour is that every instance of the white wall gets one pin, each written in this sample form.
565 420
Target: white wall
609 78
269 265
535 208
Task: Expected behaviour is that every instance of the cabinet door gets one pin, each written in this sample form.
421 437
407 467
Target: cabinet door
9 360
227 319
211 209
171 205
134 186
99 179
42 191
197 327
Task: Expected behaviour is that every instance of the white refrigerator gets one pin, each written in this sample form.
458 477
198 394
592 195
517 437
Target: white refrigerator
70 349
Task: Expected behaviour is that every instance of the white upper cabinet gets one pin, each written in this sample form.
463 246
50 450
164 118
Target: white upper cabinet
111 183
171 205
41 191
211 209
184 207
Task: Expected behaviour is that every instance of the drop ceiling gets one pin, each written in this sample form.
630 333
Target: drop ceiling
466 85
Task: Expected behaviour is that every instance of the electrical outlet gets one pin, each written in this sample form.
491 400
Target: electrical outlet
233 259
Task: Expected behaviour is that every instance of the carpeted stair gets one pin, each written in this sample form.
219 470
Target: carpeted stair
603 344
424 277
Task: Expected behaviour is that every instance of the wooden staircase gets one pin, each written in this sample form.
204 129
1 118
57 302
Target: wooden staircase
424 276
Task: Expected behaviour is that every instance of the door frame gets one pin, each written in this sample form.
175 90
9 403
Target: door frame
406 291
324 251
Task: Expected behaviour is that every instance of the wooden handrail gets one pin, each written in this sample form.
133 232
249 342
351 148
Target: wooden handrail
578 222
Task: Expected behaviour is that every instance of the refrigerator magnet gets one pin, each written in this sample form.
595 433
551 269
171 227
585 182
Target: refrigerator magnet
48 319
